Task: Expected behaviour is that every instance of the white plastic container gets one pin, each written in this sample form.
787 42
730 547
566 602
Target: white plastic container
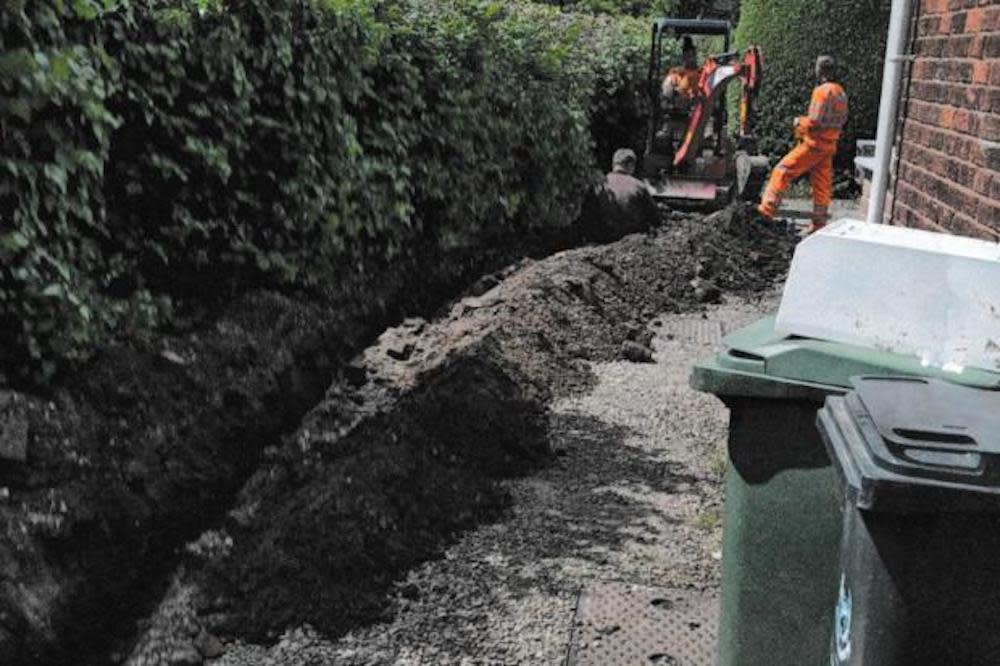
909 291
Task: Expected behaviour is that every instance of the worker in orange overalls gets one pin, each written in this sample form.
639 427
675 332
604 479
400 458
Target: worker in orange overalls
818 134
683 81
679 90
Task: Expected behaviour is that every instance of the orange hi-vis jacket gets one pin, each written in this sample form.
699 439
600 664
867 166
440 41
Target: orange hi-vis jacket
819 131
684 80
827 115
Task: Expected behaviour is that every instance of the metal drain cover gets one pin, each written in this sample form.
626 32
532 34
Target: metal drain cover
689 329
622 624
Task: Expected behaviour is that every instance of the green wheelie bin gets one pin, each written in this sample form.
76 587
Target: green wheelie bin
782 519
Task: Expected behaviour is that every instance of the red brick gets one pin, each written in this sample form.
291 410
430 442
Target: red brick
963 71
992 103
962 173
981 72
957 23
916 213
951 195
930 47
974 97
913 135
946 117
972 225
929 25
924 112
991 46
959 71
955 197
929 92
974 20
910 218
972 151
961 96
991 19
965 96
933 6
907 173
947 141
964 122
991 154
905 196
989 128
989 213
924 223
983 182
936 139
994 72
958 47
976 46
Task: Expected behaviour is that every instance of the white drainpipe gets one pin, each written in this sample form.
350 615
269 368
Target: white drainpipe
899 28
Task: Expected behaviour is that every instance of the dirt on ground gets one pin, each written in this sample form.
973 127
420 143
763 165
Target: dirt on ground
633 495
108 472
413 444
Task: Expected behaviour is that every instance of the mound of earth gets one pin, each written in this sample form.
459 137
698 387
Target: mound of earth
407 446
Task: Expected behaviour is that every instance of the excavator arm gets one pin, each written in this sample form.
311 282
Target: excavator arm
716 74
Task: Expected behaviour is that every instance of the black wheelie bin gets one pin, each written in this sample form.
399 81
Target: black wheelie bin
918 468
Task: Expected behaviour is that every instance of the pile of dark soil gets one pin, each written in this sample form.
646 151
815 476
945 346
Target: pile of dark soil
146 448
112 469
407 448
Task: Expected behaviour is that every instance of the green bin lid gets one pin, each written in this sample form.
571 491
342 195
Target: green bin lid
757 362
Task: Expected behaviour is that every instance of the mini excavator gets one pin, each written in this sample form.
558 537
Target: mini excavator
690 161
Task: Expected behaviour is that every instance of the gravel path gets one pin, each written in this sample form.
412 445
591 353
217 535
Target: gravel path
634 496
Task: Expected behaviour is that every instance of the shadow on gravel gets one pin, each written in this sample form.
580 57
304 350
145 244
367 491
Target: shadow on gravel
595 506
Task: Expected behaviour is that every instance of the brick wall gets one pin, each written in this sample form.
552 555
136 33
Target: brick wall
948 175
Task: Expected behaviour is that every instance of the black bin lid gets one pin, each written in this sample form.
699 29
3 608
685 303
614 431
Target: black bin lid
915 444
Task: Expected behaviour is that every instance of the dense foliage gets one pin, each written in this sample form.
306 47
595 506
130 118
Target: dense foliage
157 152
647 8
629 7
791 35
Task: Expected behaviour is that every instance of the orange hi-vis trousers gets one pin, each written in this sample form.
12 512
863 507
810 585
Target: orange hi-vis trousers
807 157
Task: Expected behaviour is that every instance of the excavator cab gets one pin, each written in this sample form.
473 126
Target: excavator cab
690 159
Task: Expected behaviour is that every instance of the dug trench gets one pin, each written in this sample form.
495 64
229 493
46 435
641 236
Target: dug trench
407 447
109 470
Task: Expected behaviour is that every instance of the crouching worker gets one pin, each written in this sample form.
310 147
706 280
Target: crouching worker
633 207
621 204
818 133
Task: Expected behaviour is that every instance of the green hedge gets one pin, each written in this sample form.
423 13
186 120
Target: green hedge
679 8
55 133
158 153
627 7
791 35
